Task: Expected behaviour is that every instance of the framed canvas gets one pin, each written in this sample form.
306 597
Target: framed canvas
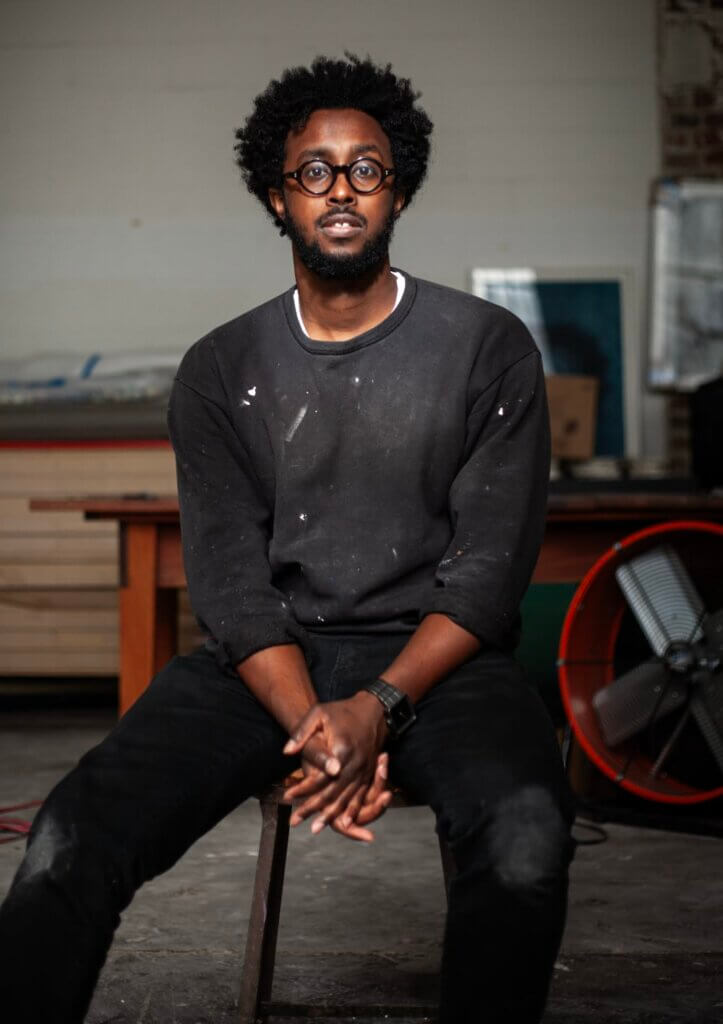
580 319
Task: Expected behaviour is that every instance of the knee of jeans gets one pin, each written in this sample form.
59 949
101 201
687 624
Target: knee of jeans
62 853
523 840
50 850
529 843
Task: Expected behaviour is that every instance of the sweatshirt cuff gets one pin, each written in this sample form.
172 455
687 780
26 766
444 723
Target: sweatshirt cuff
265 633
491 634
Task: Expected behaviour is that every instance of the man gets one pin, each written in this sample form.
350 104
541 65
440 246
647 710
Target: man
362 470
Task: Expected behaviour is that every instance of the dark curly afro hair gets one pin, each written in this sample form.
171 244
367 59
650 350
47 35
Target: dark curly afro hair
286 105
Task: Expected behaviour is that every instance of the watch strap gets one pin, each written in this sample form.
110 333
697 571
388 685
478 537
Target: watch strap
386 693
394 702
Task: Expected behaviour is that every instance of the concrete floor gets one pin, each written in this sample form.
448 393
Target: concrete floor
644 941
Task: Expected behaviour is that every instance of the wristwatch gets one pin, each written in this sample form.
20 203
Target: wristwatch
399 712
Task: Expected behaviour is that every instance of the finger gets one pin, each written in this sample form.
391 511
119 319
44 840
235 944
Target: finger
371 795
379 782
368 794
335 808
363 835
375 791
311 783
332 764
354 806
320 758
370 812
316 802
328 763
311 722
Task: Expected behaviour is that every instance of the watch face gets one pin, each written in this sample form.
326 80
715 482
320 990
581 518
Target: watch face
402 715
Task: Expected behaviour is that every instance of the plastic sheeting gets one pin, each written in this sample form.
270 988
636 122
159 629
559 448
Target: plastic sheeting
74 377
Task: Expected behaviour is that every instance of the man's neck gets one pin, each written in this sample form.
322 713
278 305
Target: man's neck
339 310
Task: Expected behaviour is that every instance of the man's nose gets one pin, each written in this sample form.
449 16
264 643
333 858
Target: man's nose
341 191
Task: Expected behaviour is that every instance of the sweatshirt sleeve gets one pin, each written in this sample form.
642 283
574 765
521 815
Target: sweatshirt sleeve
225 530
497 506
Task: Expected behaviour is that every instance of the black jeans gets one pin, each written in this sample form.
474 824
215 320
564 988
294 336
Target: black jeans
482 754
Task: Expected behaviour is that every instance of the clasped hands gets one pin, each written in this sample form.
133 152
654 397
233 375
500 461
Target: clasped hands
345 769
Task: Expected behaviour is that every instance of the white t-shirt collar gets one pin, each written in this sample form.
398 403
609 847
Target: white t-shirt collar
401 285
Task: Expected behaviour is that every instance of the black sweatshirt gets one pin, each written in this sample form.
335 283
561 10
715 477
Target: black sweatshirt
357 486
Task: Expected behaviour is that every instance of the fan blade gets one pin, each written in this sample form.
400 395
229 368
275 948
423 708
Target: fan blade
670 742
662 597
707 706
628 704
713 629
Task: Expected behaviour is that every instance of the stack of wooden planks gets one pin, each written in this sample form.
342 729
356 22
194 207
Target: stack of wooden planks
59 573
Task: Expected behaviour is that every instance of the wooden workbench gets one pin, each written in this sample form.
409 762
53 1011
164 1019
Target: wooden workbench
580 528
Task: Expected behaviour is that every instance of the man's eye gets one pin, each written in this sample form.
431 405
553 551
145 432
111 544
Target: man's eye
366 174
316 171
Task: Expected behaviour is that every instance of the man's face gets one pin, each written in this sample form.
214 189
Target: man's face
342 234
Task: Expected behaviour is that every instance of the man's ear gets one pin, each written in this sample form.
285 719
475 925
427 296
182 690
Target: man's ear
276 199
399 201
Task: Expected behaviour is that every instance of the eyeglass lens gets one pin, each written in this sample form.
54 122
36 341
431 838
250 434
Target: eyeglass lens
364 176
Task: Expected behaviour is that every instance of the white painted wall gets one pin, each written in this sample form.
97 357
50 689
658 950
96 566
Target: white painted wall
122 217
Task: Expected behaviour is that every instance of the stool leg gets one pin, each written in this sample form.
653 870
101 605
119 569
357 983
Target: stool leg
448 865
258 970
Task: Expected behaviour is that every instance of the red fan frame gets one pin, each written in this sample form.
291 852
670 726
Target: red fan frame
586 654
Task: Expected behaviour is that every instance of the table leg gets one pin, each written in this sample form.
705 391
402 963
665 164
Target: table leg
148 631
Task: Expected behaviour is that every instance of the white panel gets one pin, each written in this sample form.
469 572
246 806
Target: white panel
122 217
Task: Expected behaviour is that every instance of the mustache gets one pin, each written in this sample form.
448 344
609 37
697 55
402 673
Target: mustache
342 211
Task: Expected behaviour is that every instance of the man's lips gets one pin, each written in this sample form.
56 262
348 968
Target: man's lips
341 225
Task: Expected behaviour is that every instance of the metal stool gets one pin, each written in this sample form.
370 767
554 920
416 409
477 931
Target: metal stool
255 1003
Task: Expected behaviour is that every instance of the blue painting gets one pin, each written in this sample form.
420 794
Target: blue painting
577 325
583 326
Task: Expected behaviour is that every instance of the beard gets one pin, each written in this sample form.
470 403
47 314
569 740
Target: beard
342 266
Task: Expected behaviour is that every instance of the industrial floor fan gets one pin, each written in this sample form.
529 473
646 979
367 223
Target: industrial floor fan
641 663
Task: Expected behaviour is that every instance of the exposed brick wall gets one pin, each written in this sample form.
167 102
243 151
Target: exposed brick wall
691 87
690 78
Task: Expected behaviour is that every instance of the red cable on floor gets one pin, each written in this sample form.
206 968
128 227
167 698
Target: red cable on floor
16 825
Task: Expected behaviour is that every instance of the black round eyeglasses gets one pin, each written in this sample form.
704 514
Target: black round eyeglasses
317 177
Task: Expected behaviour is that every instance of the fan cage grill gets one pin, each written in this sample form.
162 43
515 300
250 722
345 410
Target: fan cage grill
588 647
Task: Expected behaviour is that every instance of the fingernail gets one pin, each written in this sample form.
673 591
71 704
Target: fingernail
383 770
332 766
318 825
346 821
289 746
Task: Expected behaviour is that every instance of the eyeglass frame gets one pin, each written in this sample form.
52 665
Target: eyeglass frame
336 170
